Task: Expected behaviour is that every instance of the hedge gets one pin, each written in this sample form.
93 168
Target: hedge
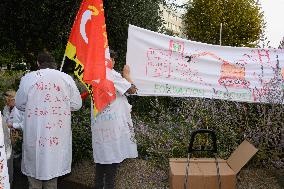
163 126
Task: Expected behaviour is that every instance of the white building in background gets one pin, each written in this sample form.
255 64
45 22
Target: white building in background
172 19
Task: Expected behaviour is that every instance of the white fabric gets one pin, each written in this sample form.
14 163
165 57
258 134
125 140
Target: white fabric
6 131
6 113
162 65
112 130
4 176
17 118
14 118
47 96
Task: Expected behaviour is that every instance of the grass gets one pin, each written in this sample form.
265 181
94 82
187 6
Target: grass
141 174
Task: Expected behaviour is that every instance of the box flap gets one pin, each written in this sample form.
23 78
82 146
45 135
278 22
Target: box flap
196 160
241 156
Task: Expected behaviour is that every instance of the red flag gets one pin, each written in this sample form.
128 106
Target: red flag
88 47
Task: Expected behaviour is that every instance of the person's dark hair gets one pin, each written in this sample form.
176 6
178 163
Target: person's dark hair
46 60
113 54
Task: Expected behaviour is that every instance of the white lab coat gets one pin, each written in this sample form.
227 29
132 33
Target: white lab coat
6 131
47 96
4 176
112 130
17 118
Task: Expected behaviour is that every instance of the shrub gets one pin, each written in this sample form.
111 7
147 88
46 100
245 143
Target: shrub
165 132
82 137
9 80
163 125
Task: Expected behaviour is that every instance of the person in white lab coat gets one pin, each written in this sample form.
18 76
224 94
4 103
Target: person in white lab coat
4 176
112 131
8 113
47 97
16 119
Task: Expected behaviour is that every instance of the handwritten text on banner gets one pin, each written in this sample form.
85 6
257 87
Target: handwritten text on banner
162 65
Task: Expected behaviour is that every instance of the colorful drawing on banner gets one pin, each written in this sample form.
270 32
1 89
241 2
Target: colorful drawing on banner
181 91
162 64
173 66
176 46
171 63
233 76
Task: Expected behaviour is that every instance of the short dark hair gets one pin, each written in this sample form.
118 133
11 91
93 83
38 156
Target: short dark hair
112 54
10 93
46 60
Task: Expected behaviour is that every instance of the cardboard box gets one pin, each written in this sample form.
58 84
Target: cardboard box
203 171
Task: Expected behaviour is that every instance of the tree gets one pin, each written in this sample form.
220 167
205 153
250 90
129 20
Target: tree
242 22
31 26
28 27
119 14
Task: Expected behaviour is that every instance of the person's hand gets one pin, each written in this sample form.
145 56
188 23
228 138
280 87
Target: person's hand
10 126
126 75
126 72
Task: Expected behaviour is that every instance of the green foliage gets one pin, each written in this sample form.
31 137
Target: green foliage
165 133
28 27
81 137
119 14
9 80
31 26
9 58
163 126
242 22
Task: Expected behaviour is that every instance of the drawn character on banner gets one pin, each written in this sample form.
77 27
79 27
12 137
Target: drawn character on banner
233 76
171 63
158 64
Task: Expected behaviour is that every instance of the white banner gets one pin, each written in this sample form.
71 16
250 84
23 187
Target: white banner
162 65
4 176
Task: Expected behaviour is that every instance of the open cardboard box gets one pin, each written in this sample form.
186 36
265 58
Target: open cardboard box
203 171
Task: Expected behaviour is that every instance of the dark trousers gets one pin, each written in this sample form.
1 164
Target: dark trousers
42 184
10 165
105 175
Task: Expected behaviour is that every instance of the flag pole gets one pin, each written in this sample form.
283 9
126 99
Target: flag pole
220 39
62 63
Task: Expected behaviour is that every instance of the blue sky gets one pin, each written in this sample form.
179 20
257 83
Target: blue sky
273 16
